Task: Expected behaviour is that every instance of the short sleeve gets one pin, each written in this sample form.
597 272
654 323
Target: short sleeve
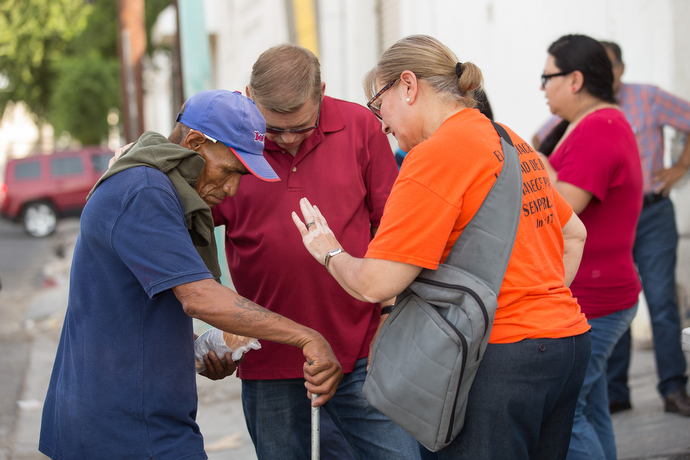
671 110
416 226
152 239
589 157
563 208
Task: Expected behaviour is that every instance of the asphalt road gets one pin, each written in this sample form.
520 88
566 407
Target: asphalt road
22 258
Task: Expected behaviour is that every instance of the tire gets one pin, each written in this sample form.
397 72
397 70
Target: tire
39 219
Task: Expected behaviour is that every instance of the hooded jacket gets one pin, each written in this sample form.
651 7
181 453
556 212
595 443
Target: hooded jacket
183 167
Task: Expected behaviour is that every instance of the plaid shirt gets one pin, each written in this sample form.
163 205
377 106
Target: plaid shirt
648 109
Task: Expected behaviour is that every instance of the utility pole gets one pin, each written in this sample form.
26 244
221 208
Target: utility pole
177 78
131 48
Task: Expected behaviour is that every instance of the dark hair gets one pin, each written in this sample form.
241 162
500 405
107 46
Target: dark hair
615 49
550 140
483 103
583 53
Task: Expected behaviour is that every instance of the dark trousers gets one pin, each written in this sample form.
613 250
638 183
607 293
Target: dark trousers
522 402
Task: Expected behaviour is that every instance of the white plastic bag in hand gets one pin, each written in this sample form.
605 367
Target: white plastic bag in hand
222 343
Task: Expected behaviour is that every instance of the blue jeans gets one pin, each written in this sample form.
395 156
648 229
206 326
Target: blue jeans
278 416
655 248
592 436
522 401
617 370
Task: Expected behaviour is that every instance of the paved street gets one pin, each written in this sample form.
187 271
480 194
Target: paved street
22 260
645 432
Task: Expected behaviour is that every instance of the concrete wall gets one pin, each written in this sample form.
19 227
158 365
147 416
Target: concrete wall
505 38
243 30
508 41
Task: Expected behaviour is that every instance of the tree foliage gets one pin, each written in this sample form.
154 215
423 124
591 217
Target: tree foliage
87 89
34 35
60 58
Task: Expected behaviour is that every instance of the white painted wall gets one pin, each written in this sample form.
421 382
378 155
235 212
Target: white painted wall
159 114
349 45
508 39
244 29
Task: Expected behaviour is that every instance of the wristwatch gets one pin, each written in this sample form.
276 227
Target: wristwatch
333 253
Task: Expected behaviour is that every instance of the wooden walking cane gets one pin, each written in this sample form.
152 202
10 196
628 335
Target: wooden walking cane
315 430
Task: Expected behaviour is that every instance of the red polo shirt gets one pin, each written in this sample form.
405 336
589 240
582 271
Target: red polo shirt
346 168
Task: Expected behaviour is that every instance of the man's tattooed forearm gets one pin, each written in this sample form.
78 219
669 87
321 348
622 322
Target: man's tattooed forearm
251 312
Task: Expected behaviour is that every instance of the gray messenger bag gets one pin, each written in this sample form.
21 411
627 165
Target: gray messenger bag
429 348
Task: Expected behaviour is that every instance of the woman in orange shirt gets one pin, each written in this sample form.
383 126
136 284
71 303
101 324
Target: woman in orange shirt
522 402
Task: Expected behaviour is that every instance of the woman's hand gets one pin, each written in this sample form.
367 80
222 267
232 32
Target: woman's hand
316 235
368 279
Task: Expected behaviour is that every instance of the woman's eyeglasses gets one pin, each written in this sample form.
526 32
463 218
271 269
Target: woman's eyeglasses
376 109
546 77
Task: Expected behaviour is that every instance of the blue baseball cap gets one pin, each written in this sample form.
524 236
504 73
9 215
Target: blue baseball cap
233 119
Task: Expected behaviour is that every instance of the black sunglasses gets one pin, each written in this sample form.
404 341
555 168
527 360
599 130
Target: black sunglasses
376 110
296 130
545 77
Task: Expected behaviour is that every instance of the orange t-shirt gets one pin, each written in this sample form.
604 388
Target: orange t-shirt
442 183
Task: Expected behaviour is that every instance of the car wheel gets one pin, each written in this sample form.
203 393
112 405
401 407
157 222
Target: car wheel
39 219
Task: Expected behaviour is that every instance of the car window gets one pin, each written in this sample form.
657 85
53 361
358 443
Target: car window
27 170
100 161
66 166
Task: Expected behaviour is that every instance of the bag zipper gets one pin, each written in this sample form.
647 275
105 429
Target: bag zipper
479 301
465 289
457 393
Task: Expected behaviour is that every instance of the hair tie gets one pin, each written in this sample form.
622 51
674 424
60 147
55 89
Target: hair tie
458 69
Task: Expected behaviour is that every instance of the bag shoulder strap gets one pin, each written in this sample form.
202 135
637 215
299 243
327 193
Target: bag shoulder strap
485 245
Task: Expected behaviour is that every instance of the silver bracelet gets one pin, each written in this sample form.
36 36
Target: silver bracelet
333 253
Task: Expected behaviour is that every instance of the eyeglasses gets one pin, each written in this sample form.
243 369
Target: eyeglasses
376 109
297 130
545 77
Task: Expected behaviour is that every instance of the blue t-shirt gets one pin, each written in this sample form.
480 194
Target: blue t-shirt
124 381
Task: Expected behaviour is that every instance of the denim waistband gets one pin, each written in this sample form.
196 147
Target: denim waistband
651 198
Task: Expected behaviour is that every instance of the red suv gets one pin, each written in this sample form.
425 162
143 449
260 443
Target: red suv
42 188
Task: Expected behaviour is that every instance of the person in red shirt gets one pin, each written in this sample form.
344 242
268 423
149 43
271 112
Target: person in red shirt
523 398
595 165
334 152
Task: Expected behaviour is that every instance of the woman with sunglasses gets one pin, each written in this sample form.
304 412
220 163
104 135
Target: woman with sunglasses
595 166
523 398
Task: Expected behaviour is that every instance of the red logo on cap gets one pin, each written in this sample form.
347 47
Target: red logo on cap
258 136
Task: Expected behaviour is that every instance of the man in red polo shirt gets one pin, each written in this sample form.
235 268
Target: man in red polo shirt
334 153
